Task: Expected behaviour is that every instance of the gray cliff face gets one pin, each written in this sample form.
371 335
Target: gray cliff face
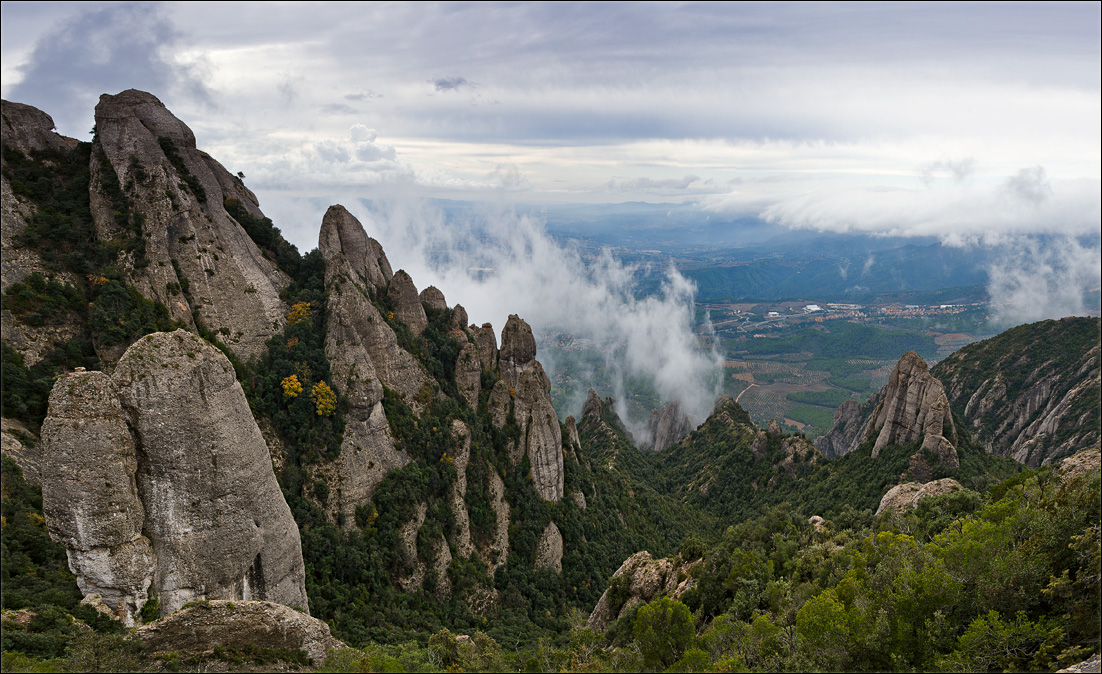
549 549
90 493
530 389
486 341
27 129
904 496
432 297
364 356
163 482
461 450
468 373
214 513
666 427
405 297
911 408
177 197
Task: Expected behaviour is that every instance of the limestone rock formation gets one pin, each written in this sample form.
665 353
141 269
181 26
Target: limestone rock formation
911 408
198 628
461 436
643 578
1030 393
486 341
433 297
214 513
407 542
907 495
549 549
178 196
468 373
530 390
846 429
499 552
668 425
28 130
409 310
90 494
364 355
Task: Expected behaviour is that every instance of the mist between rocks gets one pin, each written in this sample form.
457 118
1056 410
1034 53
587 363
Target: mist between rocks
1035 278
497 263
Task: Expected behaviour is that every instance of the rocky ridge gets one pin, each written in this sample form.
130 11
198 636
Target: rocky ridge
1032 392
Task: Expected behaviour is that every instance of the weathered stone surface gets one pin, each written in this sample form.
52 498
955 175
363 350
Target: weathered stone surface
847 427
407 542
1081 463
530 390
549 549
409 310
90 494
578 497
214 513
486 340
358 333
668 425
1091 664
468 373
21 446
180 198
572 437
461 456
28 129
459 320
645 578
911 408
342 236
499 552
238 624
907 495
433 297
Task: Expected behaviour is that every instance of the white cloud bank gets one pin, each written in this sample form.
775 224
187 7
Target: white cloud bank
552 287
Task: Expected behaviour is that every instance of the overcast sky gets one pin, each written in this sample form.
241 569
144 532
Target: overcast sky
964 121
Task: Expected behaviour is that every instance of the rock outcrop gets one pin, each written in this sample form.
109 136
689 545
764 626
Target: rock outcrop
364 355
907 495
238 625
667 426
549 549
529 392
162 473
640 579
29 131
90 492
461 436
1079 464
843 435
405 296
1030 393
180 199
911 408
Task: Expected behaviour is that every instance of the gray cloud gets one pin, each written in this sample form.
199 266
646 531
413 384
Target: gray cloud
105 50
1029 185
451 83
660 184
959 170
363 95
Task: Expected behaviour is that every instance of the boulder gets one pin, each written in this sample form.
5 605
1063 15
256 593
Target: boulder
215 516
907 495
196 629
549 549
